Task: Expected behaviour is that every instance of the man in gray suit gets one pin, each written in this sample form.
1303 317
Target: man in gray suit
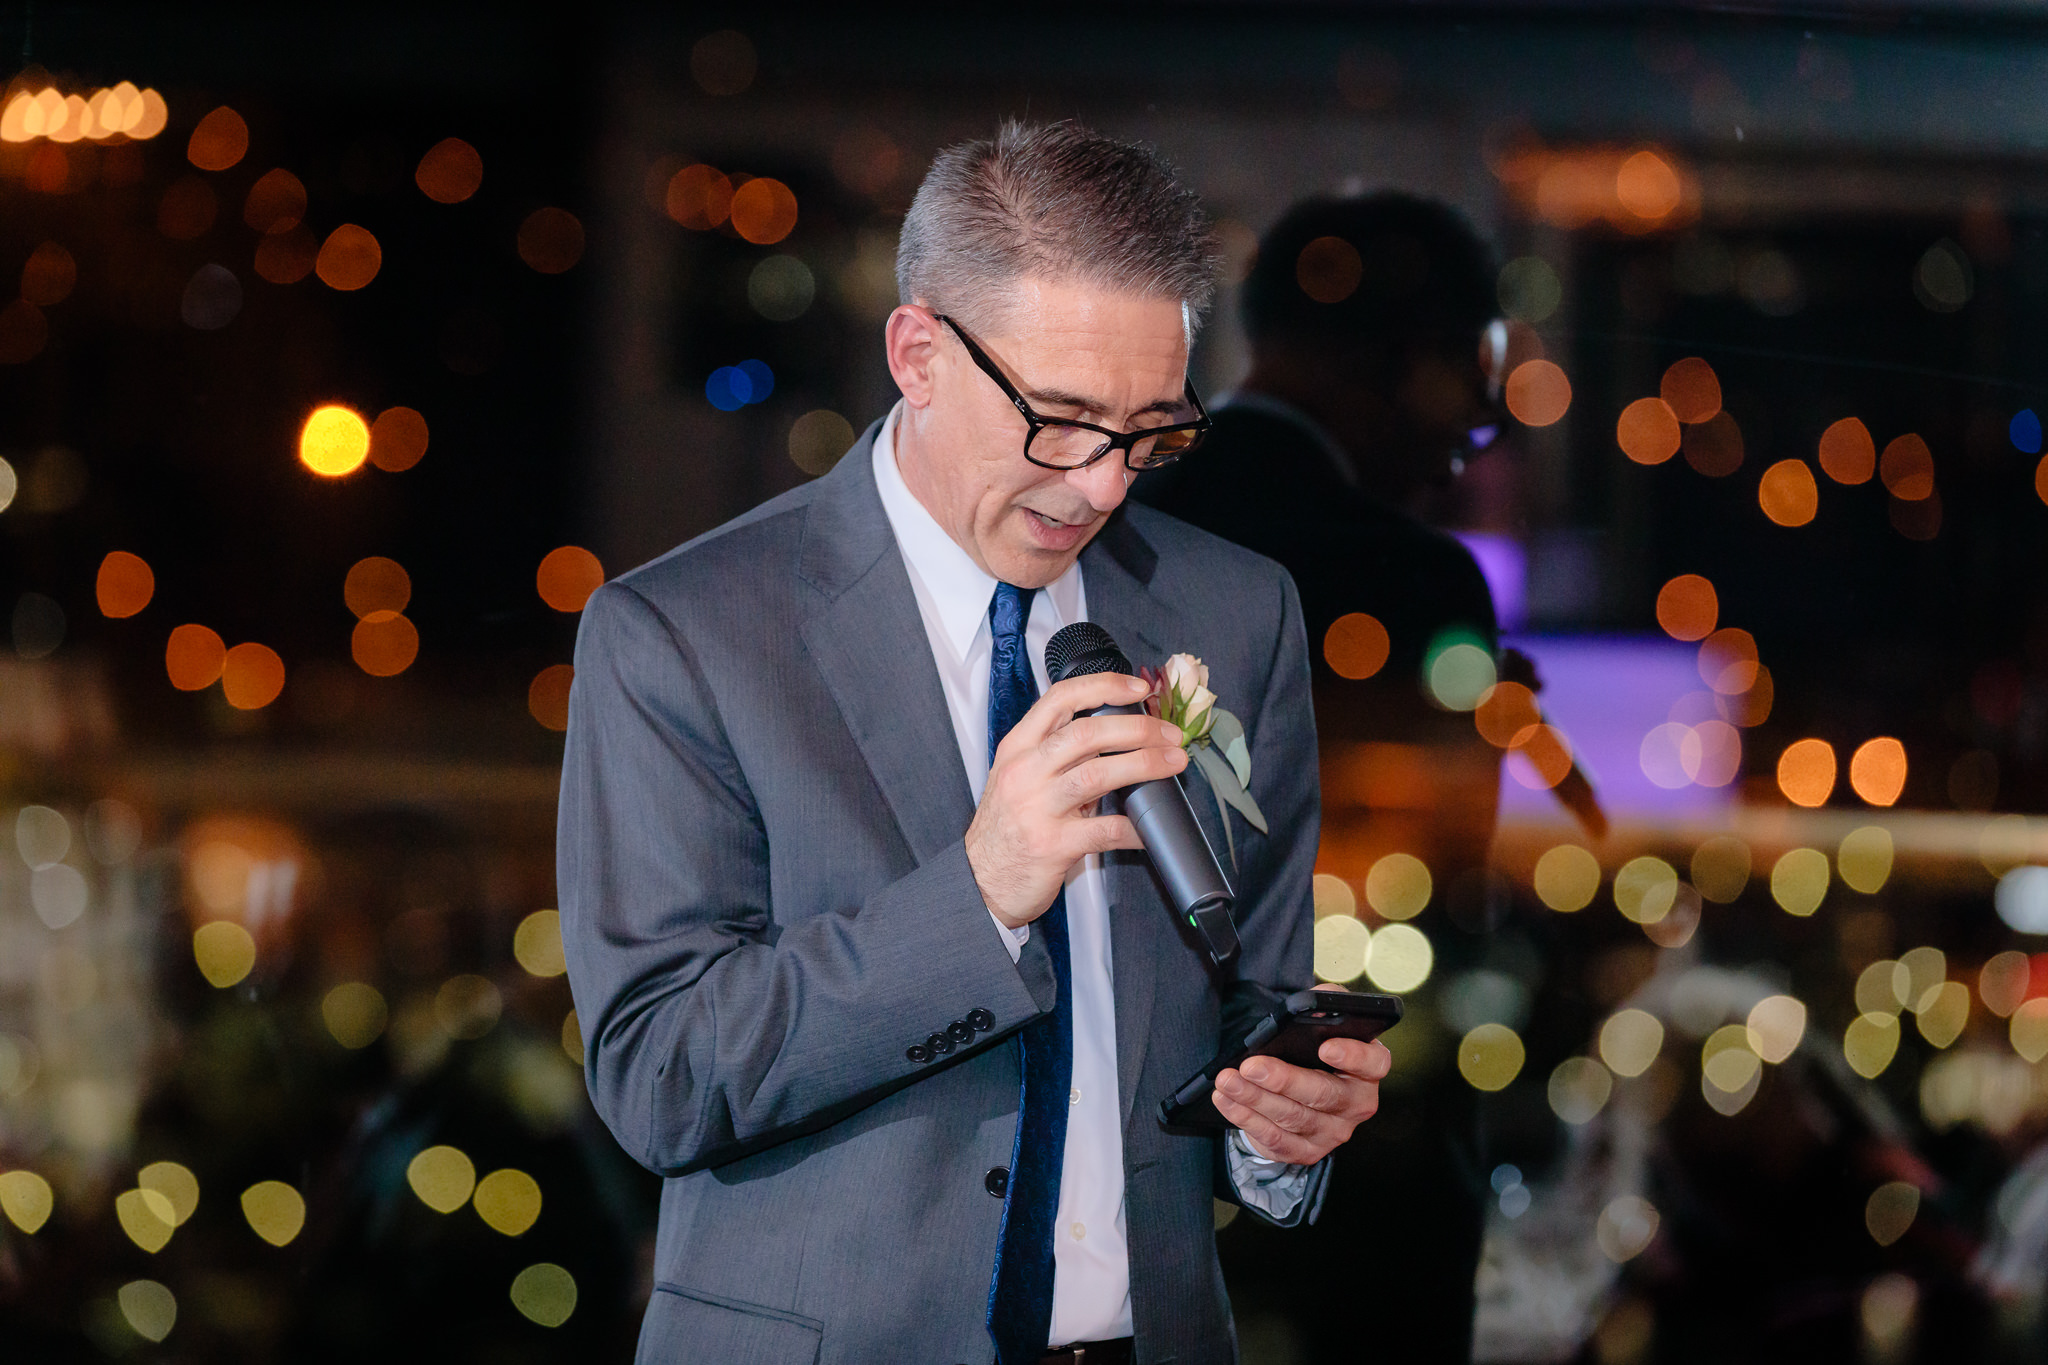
861 968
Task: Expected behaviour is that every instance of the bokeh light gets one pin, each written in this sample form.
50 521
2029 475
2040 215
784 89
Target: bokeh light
1884 987
1907 468
508 1201
1877 770
1788 493
817 440
1864 859
1356 645
1529 289
355 1014
1567 878
384 643
1728 660
48 276
1329 269
1775 1026
1460 675
2003 981
218 141
1870 1043
194 657
1720 868
545 1293
1890 1211
124 585
1541 758
551 240
1691 389
763 211
398 439
1332 895
334 441
2028 1030
1506 714
450 172
225 952
1806 772
1626 1227
1645 889
1490 1057
1579 1089
1944 1012
1341 944
276 202
251 676
1398 886
1399 958
27 1199
1848 455
1714 447
175 1183
699 197
467 1006
1726 1061
2022 899
568 576
376 584
274 1210
1799 880
146 1217
443 1177
1648 431
1688 607
537 944
1537 393
148 1307
349 259
781 288
547 698
1647 186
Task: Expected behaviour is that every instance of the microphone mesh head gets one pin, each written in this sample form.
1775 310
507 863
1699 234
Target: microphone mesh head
1080 649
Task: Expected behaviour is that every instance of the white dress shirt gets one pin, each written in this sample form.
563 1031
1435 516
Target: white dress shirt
1091 1297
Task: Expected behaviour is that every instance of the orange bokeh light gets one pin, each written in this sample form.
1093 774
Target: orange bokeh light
287 257
251 677
1751 706
398 439
1356 645
450 172
1648 431
194 658
1538 393
220 140
1714 447
548 697
1907 468
1692 389
568 576
1806 772
1688 607
384 644
699 197
276 202
349 258
125 584
1507 715
1541 757
551 240
2041 479
1847 454
1329 269
1647 186
1788 493
1877 770
763 211
1728 661
376 584
49 275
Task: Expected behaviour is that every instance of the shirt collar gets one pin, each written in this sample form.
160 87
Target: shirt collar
958 587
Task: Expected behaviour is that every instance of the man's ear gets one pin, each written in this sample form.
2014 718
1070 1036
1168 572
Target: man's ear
911 340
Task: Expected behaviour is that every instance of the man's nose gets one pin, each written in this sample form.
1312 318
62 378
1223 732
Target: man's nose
1103 483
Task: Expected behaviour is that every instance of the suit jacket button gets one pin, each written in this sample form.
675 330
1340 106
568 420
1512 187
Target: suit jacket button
981 1020
960 1031
997 1181
939 1043
919 1053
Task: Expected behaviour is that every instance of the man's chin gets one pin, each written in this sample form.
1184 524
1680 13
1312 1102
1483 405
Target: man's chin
1041 553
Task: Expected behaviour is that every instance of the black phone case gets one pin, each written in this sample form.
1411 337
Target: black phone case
1293 1033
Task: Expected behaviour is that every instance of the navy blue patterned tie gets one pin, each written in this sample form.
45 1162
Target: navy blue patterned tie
1020 1291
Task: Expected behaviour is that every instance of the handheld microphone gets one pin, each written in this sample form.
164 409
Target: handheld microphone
1179 851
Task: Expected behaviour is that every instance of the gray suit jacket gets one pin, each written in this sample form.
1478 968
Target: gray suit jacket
766 902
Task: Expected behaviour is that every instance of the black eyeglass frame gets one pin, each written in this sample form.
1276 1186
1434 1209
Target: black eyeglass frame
1127 441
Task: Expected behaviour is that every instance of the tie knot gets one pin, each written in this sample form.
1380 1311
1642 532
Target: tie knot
1008 610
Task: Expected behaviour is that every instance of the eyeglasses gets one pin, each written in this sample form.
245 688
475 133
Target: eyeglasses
1058 443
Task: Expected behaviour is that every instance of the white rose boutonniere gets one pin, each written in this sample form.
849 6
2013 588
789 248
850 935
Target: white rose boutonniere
1212 736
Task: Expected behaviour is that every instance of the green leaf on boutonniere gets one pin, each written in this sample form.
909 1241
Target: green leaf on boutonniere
1229 792
1227 734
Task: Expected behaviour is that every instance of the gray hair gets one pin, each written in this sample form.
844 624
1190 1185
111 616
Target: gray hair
1061 202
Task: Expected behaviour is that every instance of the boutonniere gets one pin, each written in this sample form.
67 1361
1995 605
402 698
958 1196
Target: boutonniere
1212 736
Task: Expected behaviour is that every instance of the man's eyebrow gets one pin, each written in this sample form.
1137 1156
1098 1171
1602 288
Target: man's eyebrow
1058 398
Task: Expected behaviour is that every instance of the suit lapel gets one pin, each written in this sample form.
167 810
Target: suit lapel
870 646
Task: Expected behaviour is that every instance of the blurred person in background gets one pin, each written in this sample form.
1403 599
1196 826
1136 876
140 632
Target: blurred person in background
823 856
1373 374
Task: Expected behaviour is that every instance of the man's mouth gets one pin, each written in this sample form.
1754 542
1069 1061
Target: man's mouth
1051 533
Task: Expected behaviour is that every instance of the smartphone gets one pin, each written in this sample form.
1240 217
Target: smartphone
1293 1033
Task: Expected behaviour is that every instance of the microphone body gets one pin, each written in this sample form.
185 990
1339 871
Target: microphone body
1158 809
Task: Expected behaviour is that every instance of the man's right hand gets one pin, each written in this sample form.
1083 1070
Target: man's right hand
1037 815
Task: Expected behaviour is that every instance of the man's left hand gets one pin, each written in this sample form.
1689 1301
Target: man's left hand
1297 1115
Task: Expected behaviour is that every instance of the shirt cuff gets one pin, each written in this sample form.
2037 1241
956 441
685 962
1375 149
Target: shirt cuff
1274 1188
1013 939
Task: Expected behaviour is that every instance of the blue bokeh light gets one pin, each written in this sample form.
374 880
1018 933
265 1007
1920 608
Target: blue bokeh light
760 379
2026 431
732 387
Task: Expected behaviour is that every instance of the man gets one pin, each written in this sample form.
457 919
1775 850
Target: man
1361 402
860 968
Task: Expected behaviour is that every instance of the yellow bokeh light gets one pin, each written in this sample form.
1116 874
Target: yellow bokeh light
1398 886
1726 1059
1648 431
1626 1228
1490 1057
1688 607
1799 880
1877 770
1538 393
1399 958
1579 1089
224 951
26 1199
572 1037
355 1014
1865 859
376 584
175 1183
1567 878
1720 868
1806 772
274 1210
147 1217
1630 1041
1692 389
1461 676
1775 1026
124 585
1870 1044
508 1200
545 1293
1926 968
1884 987
1356 645
1890 1211
2002 983
2029 1029
1944 1012
148 1307
1847 454
1333 895
467 1006
334 441
537 944
443 1177
1341 944
1645 889
1788 493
